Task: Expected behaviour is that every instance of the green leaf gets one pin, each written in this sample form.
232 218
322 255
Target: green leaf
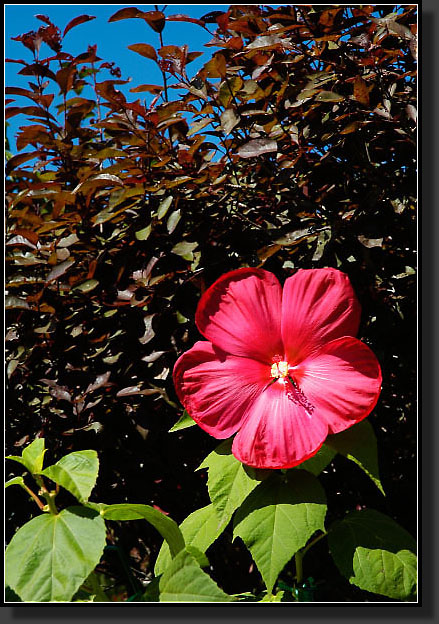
329 96
185 250
183 423
15 481
87 286
374 553
51 555
229 482
200 529
173 220
318 462
185 581
164 207
32 456
167 528
278 518
76 472
144 233
359 444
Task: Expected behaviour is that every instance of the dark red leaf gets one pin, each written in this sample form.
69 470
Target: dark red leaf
51 35
144 49
37 69
154 89
127 13
171 51
210 18
81 19
155 19
44 18
184 18
64 78
223 21
31 40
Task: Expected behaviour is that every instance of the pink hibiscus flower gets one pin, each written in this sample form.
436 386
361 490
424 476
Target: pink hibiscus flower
282 369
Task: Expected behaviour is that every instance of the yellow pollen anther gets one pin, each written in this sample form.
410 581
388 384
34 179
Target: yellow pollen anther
279 369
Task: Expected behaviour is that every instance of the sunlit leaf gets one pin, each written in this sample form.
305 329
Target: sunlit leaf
126 13
200 529
185 581
229 481
81 19
32 456
76 472
60 269
144 233
256 147
164 525
229 119
183 423
361 91
164 207
374 553
144 49
155 19
173 220
278 518
51 555
87 286
329 96
185 250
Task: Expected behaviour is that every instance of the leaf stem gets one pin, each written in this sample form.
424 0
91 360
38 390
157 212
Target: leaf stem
298 557
49 496
34 496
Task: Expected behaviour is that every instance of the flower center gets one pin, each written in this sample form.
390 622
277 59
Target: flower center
279 369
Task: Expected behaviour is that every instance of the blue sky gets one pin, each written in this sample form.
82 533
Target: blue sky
112 40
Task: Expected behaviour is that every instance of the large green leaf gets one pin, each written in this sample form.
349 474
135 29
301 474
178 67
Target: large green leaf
32 456
76 472
185 581
51 555
229 482
200 529
319 461
167 528
373 552
359 444
278 518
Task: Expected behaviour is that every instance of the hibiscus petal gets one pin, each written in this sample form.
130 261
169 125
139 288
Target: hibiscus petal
240 313
318 305
216 388
342 382
278 432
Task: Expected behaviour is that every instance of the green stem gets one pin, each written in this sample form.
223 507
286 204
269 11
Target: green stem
298 557
49 496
